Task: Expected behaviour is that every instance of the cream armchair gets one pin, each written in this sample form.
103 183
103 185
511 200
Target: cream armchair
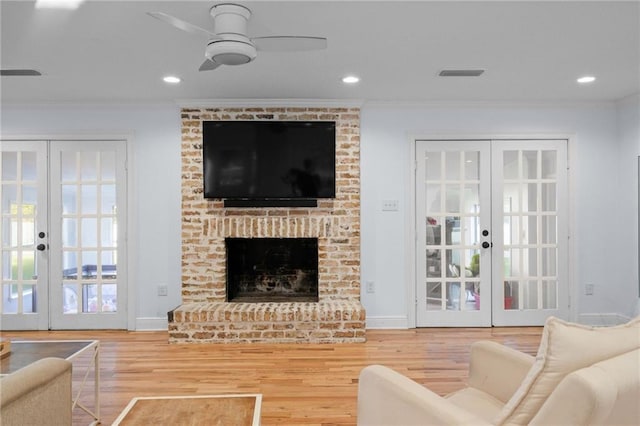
38 394
581 375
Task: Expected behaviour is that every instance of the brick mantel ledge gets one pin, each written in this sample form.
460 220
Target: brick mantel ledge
334 321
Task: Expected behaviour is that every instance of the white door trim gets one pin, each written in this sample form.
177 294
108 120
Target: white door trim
410 216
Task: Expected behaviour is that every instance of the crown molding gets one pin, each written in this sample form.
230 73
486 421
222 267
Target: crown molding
86 104
484 104
272 103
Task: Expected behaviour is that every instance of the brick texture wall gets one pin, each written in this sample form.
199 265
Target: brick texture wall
335 222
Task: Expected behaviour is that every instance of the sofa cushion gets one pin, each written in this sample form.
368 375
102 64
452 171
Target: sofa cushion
477 402
565 347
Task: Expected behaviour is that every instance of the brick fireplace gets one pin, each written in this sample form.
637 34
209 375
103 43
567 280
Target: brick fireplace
206 315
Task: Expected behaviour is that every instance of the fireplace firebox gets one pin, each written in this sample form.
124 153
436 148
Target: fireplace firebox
272 269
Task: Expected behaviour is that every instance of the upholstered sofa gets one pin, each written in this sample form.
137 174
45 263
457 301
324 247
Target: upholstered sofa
580 376
38 394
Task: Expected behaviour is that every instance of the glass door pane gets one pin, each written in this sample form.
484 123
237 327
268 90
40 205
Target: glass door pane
89 234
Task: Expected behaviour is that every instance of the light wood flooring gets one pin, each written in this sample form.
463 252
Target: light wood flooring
302 384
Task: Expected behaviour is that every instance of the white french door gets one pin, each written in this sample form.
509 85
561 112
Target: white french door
25 260
63 234
491 232
530 223
451 187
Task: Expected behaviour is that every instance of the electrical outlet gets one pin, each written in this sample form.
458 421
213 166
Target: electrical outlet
371 287
588 289
163 290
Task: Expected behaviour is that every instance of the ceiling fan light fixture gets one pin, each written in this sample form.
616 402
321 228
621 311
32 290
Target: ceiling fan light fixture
230 52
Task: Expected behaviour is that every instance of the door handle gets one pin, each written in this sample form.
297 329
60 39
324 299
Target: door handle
41 247
486 244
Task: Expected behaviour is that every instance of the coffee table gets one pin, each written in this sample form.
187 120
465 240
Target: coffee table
26 352
195 410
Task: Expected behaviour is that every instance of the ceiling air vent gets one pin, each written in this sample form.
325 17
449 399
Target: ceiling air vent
19 73
461 73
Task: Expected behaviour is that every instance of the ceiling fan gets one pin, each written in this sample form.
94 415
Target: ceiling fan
229 44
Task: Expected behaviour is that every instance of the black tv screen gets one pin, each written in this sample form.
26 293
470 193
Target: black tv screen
269 159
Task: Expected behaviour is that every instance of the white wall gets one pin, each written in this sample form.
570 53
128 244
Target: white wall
155 171
595 160
628 114
599 160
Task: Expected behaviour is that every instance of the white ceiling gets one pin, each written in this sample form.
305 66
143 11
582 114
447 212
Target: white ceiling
112 51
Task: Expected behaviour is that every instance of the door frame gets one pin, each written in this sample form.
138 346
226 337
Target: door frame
131 213
410 213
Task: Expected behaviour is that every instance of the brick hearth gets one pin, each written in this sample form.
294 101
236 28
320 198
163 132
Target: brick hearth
205 316
334 321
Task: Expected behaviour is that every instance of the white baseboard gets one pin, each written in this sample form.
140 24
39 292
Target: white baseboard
602 320
152 324
399 321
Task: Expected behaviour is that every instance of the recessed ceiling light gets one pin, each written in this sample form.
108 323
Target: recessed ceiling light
350 79
586 79
172 79
58 4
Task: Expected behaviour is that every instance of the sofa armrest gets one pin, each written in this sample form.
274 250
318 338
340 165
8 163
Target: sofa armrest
497 369
386 398
39 393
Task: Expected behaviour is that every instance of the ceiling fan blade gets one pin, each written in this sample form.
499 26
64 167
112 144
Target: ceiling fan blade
289 43
208 65
20 72
183 25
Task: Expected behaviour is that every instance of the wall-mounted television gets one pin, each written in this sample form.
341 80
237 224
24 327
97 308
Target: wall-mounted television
269 160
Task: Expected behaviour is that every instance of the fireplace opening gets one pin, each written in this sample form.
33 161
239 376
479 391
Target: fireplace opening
272 269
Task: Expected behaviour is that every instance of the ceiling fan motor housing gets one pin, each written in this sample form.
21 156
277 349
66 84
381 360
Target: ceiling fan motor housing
230 18
230 23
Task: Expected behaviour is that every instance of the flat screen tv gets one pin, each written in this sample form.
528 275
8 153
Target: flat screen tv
263 160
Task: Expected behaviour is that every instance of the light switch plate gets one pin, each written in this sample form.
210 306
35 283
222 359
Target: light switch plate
390 205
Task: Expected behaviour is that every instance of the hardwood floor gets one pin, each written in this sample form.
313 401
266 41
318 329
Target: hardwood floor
302 384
